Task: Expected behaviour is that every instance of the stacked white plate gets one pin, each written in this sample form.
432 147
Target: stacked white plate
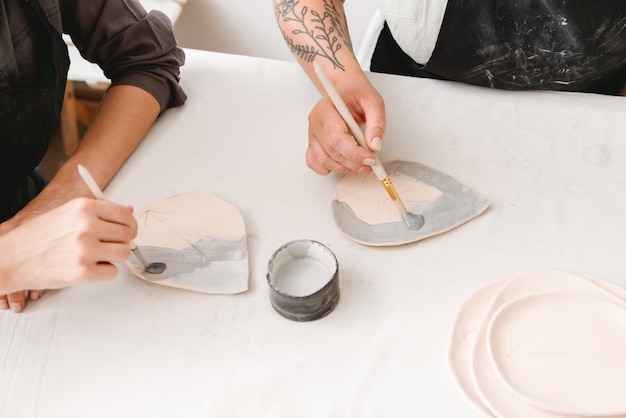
544 344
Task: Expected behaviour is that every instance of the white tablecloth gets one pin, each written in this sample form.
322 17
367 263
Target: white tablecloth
550 163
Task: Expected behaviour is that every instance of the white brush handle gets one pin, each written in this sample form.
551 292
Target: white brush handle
343 110
90 182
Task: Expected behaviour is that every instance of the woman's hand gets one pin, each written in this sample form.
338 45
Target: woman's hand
331 145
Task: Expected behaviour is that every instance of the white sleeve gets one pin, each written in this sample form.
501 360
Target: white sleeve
414 24
366 51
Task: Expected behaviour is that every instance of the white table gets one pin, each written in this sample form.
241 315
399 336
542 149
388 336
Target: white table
552 165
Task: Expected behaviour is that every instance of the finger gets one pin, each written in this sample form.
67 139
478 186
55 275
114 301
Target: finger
328 129
17 301
104 271
115 252
115 213
113 233
88 273
376 143
35 294
313 165
337 140
4 303
374 126
110 212
320 161
105 221
317 156
97 272
347 153
89 254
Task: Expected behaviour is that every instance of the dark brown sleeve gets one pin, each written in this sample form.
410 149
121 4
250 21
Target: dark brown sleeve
132 47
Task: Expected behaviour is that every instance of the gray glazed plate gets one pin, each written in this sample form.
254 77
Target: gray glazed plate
448 205
200 237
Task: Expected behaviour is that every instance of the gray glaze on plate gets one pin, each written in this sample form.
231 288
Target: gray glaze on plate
456 205
209 263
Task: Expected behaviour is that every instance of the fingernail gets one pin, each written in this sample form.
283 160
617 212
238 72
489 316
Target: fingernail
16 307
369 161
33 295
4 304
377 143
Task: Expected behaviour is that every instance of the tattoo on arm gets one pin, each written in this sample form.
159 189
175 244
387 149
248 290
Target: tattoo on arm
316 34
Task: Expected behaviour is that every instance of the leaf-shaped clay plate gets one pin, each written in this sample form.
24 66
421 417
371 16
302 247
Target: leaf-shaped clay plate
202 240
364 212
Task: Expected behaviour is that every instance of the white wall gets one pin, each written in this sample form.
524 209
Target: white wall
248 27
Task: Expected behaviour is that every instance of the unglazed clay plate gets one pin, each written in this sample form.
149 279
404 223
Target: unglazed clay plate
365 213
202 240
463 338
497 397
467 352
562 353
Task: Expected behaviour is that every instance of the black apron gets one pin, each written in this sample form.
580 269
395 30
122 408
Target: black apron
29 116
523 44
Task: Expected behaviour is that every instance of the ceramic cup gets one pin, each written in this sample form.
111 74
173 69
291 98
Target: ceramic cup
303 276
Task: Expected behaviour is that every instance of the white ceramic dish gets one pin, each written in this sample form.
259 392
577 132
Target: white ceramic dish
487 382
492 391
467 352
562 353
463 337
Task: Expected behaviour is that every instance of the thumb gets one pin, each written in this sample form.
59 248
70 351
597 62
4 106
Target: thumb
375 124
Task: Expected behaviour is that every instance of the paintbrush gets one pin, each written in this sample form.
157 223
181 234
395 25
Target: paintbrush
153 268
411 220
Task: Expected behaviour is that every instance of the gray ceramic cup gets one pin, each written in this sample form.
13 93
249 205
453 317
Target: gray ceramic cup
303 276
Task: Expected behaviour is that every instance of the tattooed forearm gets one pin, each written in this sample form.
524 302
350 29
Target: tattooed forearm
315 34
338 21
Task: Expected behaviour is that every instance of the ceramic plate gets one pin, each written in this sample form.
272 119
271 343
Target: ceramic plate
463 338
467 352
562 353
202 240
365 213
498 398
